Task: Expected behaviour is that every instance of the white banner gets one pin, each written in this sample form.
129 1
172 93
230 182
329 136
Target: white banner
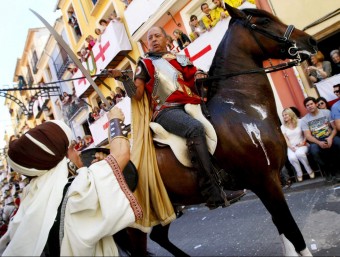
139 11
325 87
202 51
99 129
112 42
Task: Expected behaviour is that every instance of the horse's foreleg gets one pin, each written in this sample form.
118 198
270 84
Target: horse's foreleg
160 234
138 242
275 202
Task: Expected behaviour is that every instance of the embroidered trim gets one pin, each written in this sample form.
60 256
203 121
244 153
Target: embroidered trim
137 209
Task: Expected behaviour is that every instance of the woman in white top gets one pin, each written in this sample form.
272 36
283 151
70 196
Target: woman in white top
296 142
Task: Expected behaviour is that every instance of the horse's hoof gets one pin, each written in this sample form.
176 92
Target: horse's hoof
213 206
234 196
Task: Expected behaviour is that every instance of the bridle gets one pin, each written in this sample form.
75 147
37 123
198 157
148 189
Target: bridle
284 41
287 45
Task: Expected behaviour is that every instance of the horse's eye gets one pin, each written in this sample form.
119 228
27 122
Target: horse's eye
264 21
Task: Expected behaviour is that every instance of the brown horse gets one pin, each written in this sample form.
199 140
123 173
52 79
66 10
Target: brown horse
243 112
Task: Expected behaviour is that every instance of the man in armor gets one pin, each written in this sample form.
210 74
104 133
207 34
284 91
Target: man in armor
169 81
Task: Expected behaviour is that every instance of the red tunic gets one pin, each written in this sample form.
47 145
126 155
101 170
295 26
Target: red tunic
187 94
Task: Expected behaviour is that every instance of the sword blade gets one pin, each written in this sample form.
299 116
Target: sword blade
72 55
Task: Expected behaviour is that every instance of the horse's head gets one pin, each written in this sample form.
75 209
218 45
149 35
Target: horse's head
274 38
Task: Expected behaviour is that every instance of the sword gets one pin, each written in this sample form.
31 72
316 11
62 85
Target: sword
74 58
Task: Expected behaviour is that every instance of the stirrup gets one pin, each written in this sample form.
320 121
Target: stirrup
223 204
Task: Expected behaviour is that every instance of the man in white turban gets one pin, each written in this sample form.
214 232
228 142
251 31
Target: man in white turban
97 205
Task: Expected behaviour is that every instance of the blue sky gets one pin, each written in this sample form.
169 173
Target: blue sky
15 20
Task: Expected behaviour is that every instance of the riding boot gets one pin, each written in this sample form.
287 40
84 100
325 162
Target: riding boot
200 158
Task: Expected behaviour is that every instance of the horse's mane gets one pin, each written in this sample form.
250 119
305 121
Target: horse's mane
248 11
218 61
260 13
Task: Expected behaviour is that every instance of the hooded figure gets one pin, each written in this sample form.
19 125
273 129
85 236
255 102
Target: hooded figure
97 204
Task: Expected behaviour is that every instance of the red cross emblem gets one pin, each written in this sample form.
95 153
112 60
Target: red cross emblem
82 80
102 51
198 55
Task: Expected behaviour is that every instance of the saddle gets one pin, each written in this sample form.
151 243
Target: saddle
177 143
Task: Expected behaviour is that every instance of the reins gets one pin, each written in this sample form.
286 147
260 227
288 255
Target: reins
281 40
270 69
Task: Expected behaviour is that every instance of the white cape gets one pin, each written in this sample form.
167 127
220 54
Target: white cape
99 205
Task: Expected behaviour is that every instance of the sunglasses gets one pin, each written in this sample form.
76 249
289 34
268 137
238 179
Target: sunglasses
336 91
321 103
193 19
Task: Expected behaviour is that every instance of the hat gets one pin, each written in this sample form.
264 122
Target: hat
40 153
40 149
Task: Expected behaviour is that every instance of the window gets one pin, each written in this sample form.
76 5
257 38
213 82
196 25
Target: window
34 62
49 73
73 22
29 77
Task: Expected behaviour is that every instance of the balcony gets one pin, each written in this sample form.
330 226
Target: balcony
99 128
150 13
71 109
202 51
114 45
61 63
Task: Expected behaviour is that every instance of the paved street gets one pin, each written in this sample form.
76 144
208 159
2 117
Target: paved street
246 229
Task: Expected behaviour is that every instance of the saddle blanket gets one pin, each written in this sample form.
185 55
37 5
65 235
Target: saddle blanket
178 144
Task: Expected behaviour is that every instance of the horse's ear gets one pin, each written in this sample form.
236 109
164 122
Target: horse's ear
234 12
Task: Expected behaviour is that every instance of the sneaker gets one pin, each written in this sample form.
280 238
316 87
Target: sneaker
300 179
312 175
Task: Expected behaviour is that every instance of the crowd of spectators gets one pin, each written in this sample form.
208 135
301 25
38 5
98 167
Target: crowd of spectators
104 22
11 186
319 69
82 142
100 110
209 18
315 135
85 51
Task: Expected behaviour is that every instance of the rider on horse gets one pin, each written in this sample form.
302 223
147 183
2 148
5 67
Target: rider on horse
169 81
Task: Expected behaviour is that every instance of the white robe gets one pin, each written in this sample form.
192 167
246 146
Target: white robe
99 205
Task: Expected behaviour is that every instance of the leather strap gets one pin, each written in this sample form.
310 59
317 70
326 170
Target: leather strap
129 85
115 129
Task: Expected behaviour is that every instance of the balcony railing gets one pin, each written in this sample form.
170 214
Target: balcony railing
30 81
112 47
71 109
61 63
